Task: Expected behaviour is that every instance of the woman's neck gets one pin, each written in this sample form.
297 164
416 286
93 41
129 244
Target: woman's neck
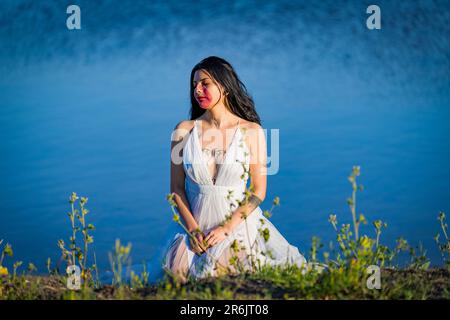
219 116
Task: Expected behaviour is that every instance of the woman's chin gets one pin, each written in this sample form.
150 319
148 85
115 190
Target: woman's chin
204 106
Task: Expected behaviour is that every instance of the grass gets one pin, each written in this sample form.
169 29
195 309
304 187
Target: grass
346 274
276 284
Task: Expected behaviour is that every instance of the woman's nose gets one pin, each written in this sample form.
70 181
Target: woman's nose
198 89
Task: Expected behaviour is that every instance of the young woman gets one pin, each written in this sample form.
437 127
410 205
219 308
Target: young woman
213 156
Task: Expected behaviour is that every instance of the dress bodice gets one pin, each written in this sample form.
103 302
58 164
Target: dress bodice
231 170
232 175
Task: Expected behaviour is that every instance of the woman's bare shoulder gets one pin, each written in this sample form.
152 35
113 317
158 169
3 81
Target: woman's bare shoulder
185 124
252 133
181 129
249 125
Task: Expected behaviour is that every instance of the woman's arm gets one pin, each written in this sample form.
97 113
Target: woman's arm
258 176
177 189
177 175
258 184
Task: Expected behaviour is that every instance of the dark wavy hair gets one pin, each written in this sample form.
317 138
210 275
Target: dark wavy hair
238 100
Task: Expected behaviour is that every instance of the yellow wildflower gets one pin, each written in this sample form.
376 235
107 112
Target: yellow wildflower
366 243
3 271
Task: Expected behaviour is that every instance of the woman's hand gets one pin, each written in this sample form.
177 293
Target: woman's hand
216 236
197 246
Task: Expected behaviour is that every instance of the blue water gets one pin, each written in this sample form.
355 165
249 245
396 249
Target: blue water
92 110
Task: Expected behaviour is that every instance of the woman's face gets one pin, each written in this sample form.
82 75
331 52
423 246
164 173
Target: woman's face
206 91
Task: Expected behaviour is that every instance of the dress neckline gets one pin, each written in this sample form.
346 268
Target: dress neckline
205 166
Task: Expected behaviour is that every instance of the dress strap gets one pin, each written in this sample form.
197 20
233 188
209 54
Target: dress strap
237 126
196 127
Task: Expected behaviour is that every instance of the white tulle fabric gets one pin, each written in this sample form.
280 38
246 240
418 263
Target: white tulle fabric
210 203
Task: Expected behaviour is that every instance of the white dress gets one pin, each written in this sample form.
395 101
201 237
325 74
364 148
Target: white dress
210 203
